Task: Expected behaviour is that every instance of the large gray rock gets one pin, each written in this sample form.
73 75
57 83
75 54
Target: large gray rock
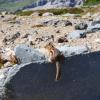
27 54
80 80
77 34
94 28
75 50
40 4
47 4
56 22
95 22
3 76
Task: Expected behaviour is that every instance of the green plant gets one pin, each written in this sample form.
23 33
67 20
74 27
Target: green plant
54 11
25 13
91 2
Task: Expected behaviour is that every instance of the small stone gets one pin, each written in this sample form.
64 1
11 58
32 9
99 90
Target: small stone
36 14
48 14
31 43
97 41
81 26
58 31
2 31
62 39
26 36
95 22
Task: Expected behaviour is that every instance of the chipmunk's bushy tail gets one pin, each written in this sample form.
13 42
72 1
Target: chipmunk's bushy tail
58 71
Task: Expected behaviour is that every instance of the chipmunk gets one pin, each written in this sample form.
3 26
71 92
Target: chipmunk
55 56
12 57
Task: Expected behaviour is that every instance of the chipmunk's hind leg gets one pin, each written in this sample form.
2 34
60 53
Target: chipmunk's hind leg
58 71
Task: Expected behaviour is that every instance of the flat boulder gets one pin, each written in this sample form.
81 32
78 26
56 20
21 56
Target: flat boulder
36 81
27 54
73 50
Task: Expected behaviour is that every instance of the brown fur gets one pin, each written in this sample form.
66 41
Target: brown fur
55 56
1 60
13 59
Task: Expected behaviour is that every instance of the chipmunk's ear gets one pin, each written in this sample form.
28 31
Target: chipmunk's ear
47 44
50 44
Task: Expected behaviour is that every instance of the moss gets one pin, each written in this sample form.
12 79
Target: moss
92 2
25 13
54 11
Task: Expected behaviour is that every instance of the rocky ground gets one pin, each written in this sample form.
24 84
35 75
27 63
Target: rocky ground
36 30
34 77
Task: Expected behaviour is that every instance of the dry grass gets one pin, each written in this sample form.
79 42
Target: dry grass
39 25
92 10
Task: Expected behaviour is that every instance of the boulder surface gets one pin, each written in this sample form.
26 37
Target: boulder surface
80 80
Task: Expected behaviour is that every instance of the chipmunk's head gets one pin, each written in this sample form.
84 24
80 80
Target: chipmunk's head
49 46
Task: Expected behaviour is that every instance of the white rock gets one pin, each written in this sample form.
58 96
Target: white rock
35 14
87 15
48 14
97 40
1 75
